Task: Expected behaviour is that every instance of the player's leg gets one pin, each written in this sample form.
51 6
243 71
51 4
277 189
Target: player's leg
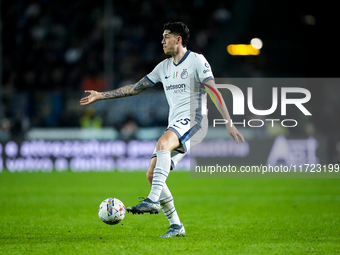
167 203
145 205
149 173
166 143
196 135
166 200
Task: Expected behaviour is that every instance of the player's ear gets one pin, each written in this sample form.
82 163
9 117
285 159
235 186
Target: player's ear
179 39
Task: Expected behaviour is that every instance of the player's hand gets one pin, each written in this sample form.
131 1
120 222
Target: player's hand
93 97
235 134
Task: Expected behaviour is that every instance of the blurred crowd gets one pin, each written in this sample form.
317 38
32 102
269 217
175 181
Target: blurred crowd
54 50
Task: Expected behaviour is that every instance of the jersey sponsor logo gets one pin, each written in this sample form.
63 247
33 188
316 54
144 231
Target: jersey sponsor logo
176 88
184 74
206 65
206 71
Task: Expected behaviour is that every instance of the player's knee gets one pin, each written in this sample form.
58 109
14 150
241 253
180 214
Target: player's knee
162 144
168 141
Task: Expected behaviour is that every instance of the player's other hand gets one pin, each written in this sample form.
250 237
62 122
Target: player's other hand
235 134
93 97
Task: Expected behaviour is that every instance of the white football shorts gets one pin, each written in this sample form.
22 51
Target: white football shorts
189 134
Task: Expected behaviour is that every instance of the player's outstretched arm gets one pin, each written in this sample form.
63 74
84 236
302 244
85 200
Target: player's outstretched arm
125 91
222 108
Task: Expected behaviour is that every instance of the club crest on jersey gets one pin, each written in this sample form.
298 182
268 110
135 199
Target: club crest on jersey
184 74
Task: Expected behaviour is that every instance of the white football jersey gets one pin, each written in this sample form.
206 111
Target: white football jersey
181 83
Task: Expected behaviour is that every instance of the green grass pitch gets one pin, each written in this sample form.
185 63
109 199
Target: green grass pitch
56 213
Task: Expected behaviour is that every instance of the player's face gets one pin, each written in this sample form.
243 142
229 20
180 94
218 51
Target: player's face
169 42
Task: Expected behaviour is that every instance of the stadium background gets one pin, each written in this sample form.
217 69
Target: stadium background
53 50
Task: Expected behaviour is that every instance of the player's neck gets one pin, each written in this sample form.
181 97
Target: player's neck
179 55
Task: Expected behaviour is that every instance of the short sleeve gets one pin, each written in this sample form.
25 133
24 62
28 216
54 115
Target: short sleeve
203 69
154 76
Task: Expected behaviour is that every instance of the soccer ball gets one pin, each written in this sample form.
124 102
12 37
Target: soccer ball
111 211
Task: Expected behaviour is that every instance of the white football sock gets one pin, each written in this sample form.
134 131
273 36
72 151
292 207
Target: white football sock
160 173
168 207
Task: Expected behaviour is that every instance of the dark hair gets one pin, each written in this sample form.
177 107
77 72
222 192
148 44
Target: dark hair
178 28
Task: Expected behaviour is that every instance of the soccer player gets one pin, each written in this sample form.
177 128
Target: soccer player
182 76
